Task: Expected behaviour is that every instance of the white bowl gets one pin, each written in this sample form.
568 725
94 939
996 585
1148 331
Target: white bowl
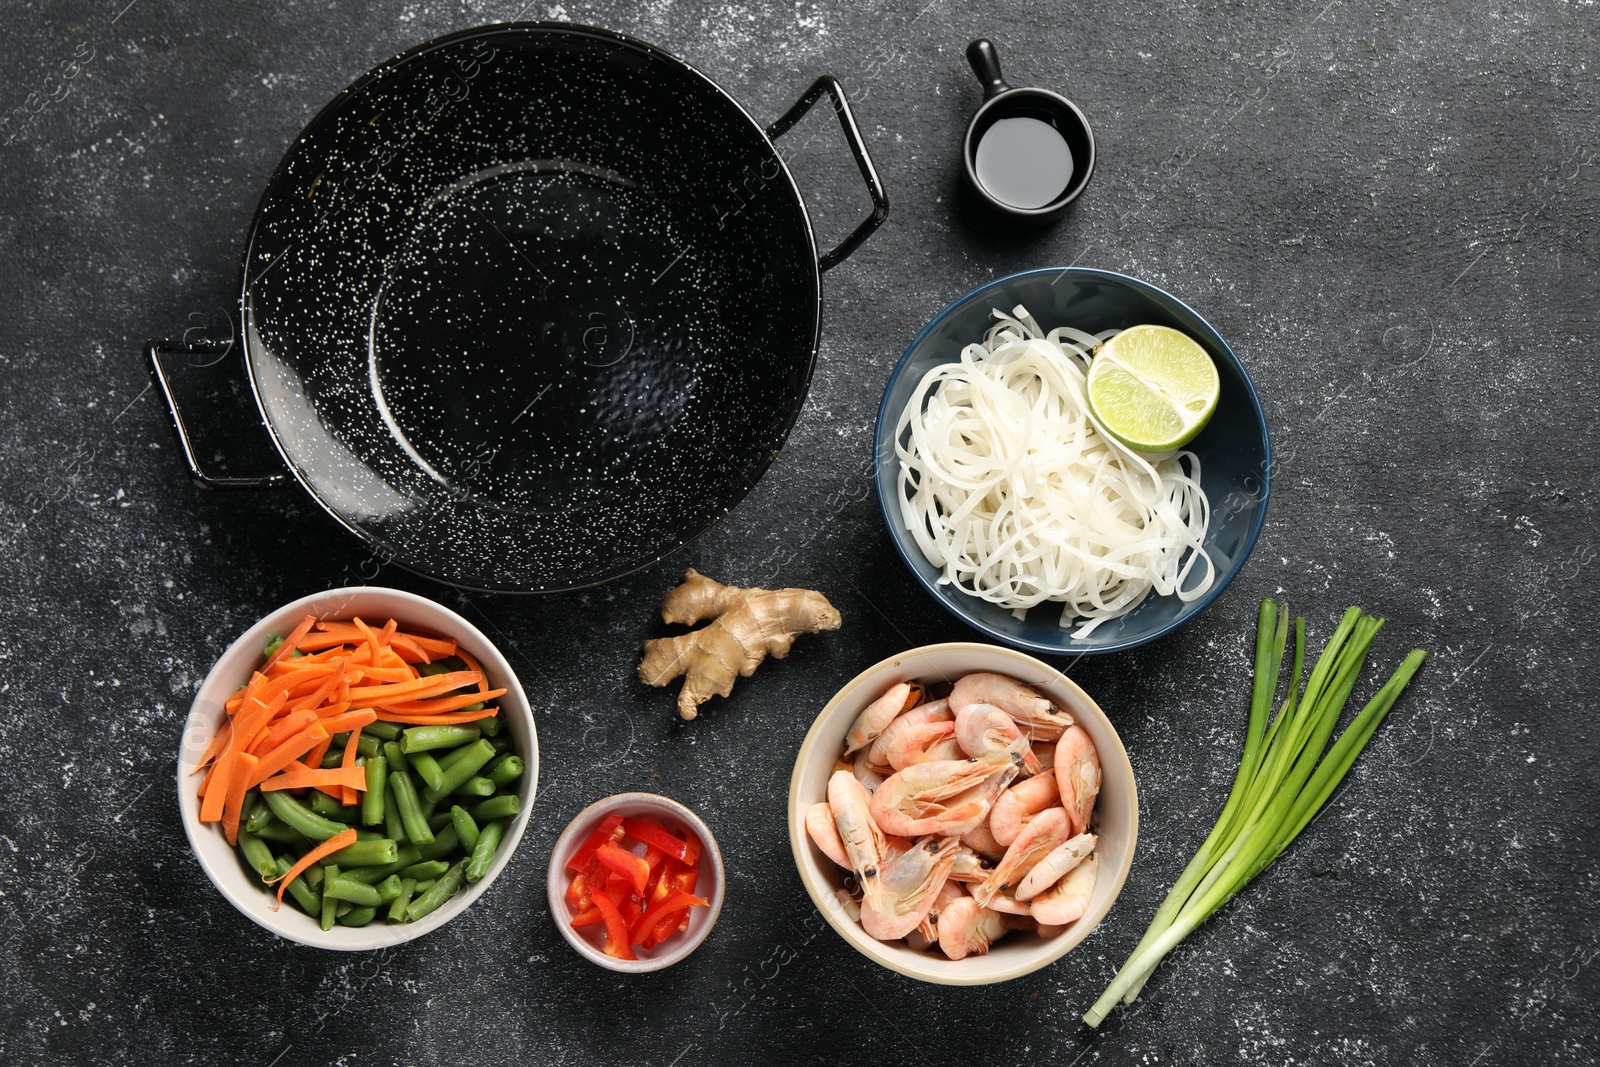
1117 810
709 886
222 863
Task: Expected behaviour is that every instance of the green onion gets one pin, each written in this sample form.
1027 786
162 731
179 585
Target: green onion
1286 774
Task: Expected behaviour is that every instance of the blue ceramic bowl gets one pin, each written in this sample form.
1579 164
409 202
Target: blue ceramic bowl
1235 455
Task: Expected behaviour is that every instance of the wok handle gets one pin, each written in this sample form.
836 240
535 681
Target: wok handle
153 351
858 148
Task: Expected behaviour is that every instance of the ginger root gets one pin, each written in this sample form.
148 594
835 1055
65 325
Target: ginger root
750 625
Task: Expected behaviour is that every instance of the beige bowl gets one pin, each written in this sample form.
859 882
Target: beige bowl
1116 818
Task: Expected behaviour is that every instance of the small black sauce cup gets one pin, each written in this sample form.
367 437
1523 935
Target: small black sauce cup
1001 101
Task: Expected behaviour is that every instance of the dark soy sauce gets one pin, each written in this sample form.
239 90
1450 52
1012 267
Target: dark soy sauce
1024 162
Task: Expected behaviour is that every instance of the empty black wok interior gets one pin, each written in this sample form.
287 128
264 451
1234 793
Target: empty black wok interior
530 309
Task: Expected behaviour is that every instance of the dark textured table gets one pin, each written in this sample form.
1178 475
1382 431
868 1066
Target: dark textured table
1390 211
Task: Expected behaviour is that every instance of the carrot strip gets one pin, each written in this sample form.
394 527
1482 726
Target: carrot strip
290 642
483 676
437 647
313 759
217 793
440 704
219 741
342 839
338 724
295 766
349 763
244 765
326 779
294 747
371 639
316 699
434 685
454 719
409 650
271 738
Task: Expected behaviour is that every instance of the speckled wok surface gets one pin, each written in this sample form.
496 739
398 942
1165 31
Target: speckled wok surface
1389 211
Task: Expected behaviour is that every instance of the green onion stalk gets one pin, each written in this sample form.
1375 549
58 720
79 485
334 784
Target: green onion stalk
1286 774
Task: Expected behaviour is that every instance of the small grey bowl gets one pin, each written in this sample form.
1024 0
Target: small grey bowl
587 941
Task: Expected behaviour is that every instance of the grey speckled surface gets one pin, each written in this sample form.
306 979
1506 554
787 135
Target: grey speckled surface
1390 210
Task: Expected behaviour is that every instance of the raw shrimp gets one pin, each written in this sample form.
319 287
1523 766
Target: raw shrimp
1008 904
863 841
984 728
934 711
969 866
1077 776
968 929
848 907
821 827
1048 829
928 929
1068 899
944 797
1054 867
981 840
908 886
878 714
1045 753
923 743
1019 804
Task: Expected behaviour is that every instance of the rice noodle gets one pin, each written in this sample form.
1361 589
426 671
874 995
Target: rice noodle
1009 487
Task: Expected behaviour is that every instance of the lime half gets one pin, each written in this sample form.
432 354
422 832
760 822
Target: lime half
1153 388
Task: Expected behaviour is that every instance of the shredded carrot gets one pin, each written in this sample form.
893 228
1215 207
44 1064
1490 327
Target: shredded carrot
472 664
348 762
342 839
244 765
435 705
336 791
409 650
298 776
371 639
217 787
452 719
316 699
416 689
219 741
290 642
295 746
272 737
338 724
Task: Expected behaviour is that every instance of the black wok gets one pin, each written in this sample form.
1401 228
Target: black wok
530 306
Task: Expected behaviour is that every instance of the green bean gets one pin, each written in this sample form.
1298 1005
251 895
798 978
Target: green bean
411 817
368 746
427 738
466 827
330 906
427 808
359 916
483 852
438 821
256 812
425 869
353 891
405 856
257 855
501 807
341 908
372 806
501 742
489 727
462 767
291 812
427 768
446 843
441 891
383 731
314 874
396 758
425 885
389 888
280 833
303 894
325 806
369 853
476 786
429 670
391 815
369 835
507 771
397 906
333 757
